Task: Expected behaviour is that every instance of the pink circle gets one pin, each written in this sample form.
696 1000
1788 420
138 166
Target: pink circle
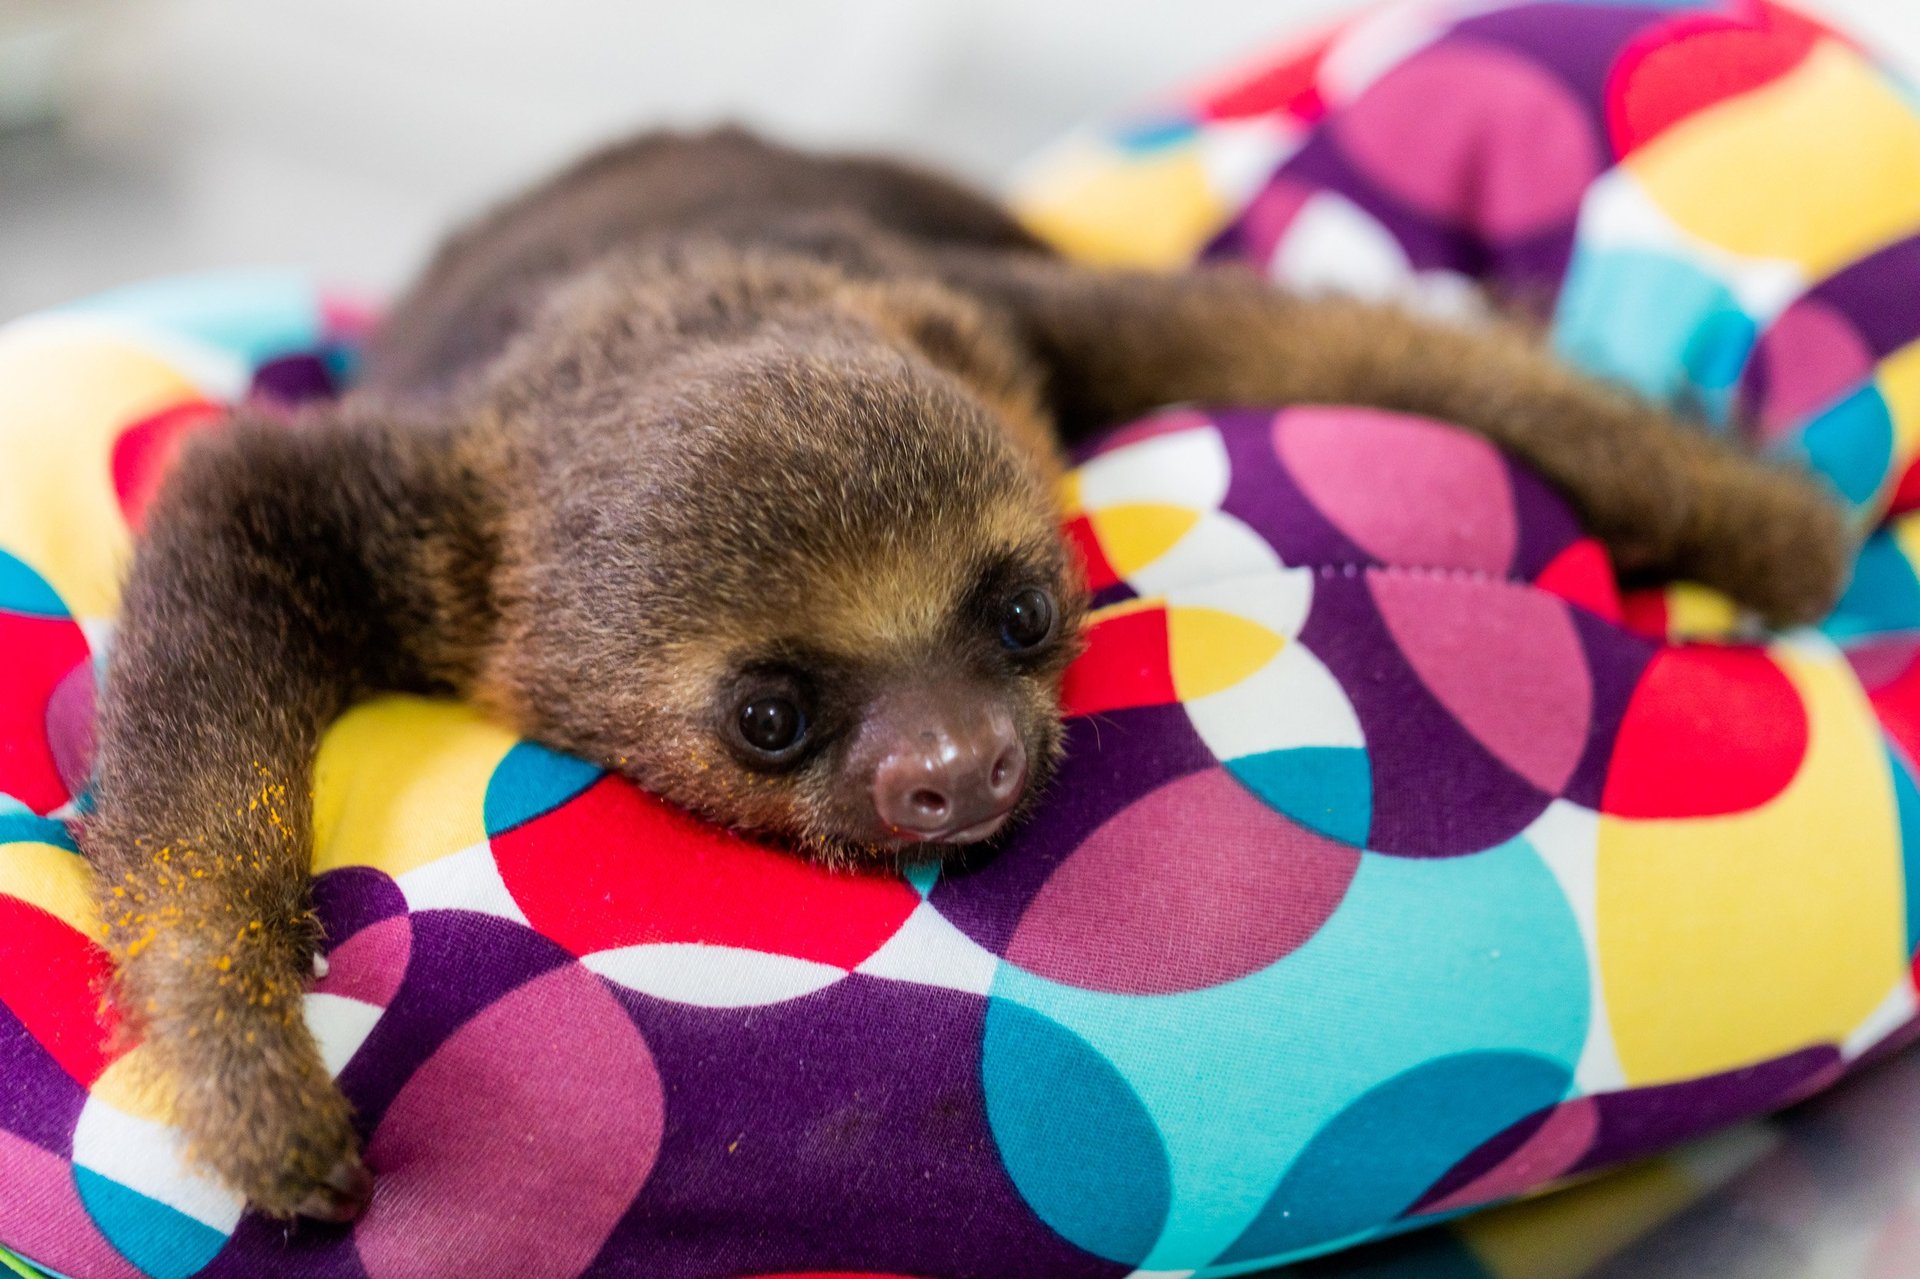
70 717
516 1148
1813 356
1167 421
369 965
43 1216
42 654
1884 660
1476 137
1548 1154
1504 660
1249 887
1408 491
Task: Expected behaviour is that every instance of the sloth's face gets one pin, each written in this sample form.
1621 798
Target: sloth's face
884 707
887 730
828 604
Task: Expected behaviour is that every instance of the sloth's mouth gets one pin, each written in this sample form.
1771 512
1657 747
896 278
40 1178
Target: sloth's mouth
972 833
975 833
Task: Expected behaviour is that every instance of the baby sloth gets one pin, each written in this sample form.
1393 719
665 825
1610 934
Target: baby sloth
733 470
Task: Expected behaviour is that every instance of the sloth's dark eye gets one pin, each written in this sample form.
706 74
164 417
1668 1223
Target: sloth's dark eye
772 725
1026 619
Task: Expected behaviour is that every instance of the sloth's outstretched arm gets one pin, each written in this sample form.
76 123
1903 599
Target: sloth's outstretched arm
1667 498
286 570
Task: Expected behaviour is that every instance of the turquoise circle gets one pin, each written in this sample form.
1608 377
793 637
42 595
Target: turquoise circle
252 314
1660 324
1159 133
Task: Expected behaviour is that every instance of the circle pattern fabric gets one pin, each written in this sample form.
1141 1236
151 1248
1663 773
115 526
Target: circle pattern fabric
1400 865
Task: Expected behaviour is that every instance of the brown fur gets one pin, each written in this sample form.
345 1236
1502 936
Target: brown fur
700 407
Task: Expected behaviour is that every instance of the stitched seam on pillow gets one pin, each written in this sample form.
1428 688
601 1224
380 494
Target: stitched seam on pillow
1352 569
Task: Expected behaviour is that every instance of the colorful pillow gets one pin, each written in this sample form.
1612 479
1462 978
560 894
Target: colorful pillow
1399 865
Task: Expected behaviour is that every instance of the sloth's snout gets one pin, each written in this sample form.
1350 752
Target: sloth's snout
952 767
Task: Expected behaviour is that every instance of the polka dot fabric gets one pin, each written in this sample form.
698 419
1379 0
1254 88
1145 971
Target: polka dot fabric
1399 865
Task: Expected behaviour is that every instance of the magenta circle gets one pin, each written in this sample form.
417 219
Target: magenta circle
518 1145
1124 915
1475 137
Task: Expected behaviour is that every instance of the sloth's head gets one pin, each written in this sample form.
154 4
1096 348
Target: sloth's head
818 594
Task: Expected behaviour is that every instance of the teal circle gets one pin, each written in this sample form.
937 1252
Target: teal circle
1374 1160
1328 789
530 781
1852 444
24 591
1075 1138
163 1242
1425 960
1906 796
1883 595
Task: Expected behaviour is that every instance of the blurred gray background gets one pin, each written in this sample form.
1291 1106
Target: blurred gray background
142 137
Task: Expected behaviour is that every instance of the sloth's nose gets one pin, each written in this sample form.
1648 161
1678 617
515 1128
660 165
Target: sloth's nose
954 776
